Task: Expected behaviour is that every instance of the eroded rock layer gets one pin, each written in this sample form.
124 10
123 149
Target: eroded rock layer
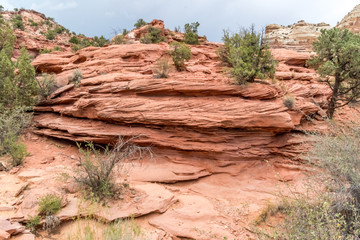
196 114
298 36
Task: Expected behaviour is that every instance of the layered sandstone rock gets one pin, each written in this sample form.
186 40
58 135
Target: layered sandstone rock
351 21
298 36
196 114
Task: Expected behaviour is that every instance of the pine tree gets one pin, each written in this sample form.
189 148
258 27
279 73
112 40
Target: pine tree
338 64
248 55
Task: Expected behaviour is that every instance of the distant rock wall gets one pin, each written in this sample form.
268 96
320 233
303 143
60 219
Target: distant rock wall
298 36
351 21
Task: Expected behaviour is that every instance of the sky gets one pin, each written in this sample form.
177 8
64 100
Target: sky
105 17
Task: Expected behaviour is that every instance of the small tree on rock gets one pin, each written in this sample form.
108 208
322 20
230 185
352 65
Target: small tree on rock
140 23
191 36
338 64
179 53
248 55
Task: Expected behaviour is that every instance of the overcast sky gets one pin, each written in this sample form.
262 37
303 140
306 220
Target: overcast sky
101 17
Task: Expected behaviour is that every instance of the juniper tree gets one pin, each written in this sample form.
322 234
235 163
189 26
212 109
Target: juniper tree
191 36
7 40
27 86
248 55
338 64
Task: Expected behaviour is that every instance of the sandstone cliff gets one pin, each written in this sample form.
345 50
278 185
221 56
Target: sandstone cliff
351 21
298 36
196 115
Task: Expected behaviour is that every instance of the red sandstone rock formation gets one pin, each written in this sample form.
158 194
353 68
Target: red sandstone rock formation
198 114
33 37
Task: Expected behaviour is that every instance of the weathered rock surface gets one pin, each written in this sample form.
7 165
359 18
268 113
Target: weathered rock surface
352 20
33 37
198 114
298 36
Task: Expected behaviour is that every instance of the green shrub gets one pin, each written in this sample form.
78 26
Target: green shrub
96 173
179 53
18 22
51 34
12 124
27 88
99 41
289 101
33 223
162 68
74 40
49 204
60 29
191 36
248 55
153 35
33 24
57 48
47 85
76 77
140 23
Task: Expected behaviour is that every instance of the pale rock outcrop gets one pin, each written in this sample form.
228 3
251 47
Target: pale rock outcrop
298 36
351 21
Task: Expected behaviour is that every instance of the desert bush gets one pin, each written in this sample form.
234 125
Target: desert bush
162 68
338 153
140 23
97 167
334 212
248 55
289 101
153 35
191 36
17 22
179 53
313 219
12 124
51 34
99 41
60 29
33 223
33 24
74 40
49 204
47 85
118 39
126 229
76 77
